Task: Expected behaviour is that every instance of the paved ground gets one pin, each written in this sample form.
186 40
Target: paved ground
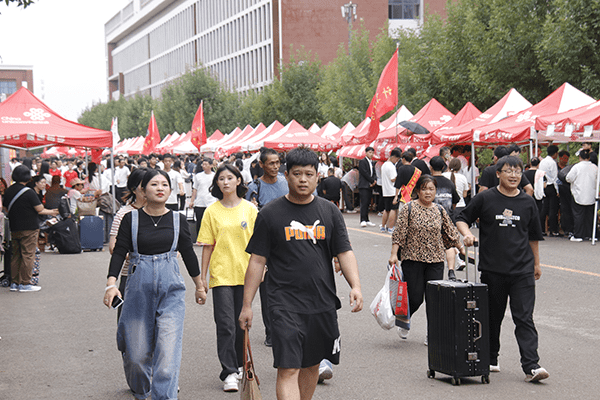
59 343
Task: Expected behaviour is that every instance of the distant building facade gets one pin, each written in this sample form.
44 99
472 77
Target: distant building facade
13 77
151 42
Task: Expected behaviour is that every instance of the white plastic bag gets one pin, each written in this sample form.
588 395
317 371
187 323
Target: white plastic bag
381 307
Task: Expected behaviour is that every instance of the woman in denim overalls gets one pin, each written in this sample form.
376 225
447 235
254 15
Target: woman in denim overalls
151 325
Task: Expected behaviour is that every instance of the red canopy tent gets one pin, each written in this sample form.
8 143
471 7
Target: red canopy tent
432 116
297 137
26 122
510 104
466 114
517 128
579 125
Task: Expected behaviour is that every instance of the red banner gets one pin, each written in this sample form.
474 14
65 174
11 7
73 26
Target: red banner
198 128
386 97
152 138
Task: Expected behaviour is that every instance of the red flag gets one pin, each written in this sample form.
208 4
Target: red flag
152 138
386 97
198 128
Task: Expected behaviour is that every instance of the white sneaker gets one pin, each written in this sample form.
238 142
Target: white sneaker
369 223
363 224
403 333
382 228
29 288
495 368
537 375
240 373
574 239
231 383
426 343
325 370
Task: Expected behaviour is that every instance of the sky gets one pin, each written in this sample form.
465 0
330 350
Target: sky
64 42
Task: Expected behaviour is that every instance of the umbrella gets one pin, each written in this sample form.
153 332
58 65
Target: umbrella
414 127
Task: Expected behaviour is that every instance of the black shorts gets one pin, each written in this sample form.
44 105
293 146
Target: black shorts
388 203
303 340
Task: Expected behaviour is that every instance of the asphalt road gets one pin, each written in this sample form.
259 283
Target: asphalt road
59 343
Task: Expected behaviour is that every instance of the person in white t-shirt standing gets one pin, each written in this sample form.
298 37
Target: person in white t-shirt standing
121 176
388 177
176 183
201 196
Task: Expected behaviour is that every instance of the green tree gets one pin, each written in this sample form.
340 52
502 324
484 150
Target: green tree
568 49
349 81
20 3
180 101
293 97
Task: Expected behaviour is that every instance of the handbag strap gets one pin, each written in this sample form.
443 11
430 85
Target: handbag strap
248 365
16 197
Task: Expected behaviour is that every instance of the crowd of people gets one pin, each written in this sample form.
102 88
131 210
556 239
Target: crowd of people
272 223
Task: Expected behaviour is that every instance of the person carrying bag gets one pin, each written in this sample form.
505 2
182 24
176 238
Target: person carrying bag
250 384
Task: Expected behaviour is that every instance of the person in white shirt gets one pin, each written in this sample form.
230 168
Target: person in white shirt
460 182
121 176
582 178
75 194
548 165
201 196
388 177
176 183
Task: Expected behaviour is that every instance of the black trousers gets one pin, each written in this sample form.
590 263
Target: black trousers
566 208
416 276
365 202
119 192
227 306
550 209
584 220
348 197
198 214
521 290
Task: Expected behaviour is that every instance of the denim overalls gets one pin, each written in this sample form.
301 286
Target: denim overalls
151 325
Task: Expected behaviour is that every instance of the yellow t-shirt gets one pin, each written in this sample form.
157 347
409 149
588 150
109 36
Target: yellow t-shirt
229 231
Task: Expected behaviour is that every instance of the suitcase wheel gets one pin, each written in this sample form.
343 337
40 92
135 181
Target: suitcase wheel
455 381
430 373
485 379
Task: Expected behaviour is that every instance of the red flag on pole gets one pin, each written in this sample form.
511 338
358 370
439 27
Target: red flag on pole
198 128
386 97
152 138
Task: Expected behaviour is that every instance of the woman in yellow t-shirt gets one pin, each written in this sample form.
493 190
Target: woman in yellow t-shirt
226 228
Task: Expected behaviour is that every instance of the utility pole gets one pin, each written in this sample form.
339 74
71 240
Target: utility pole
349 14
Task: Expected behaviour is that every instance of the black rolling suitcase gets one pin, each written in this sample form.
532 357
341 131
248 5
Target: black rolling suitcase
458 329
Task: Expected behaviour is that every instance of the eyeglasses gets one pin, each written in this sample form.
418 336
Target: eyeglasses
513 172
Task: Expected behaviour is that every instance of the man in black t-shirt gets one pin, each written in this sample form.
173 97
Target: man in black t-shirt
509 260
445 194
405 180
300 234
331 186
489 179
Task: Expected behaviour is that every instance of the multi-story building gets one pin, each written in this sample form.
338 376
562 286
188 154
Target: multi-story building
12 77
151 42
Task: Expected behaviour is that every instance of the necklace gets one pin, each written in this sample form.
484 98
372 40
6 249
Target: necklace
157 222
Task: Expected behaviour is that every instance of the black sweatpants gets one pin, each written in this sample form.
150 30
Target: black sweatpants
521 290
584 220
416 275
550 209
227 306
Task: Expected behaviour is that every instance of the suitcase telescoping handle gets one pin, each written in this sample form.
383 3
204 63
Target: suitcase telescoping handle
475 246
480 330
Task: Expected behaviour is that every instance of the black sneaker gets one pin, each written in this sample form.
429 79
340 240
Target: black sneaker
268 341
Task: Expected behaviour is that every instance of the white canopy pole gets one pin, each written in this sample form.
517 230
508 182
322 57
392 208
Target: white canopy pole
473 189
596 205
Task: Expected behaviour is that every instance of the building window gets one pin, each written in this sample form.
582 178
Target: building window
8 87
404 9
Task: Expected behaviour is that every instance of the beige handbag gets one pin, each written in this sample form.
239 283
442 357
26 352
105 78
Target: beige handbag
86 208
250 390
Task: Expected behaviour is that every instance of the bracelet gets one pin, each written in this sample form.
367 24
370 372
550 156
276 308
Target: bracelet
110 287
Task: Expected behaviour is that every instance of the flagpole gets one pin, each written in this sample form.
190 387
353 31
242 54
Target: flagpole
398 102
